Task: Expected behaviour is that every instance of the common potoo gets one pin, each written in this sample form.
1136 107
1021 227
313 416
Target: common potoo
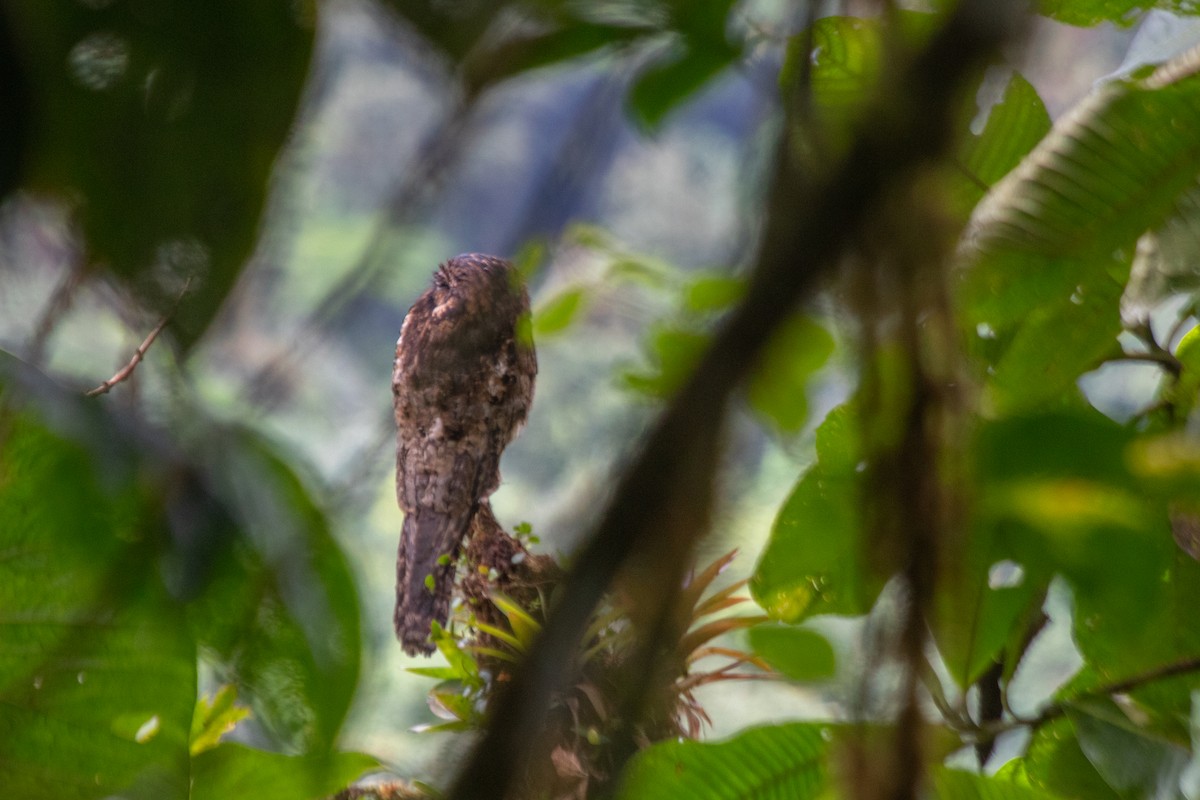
462 384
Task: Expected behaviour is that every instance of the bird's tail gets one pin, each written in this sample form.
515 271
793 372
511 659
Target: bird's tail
424 579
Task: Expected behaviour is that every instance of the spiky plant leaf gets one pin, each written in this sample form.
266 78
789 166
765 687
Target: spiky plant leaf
524 626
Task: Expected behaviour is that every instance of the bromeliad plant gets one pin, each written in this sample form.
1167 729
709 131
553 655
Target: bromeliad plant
480 654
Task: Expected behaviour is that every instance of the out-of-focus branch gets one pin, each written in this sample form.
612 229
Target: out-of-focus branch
125 372
660 506
58 305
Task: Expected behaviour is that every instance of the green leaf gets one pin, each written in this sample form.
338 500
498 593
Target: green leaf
766 762
280 612
673 353
779 384
700 51
557 313
162 130
666 84
97 674
954 784
215 718
714 292
846 64
1185 392
1130 761
1055 762
524 626
800 654
1055 346
981 606
1013 128
233 770
1066 221
1121 12
1061 494
813 561
459 661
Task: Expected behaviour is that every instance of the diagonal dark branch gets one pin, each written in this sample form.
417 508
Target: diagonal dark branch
661 502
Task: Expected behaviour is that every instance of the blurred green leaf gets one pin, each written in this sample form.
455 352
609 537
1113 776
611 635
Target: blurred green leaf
766 762
813 561
162 130
1060 493
1054 762
1055 345
846 64
701 50
800 654
1184 393
663 86
1129 760
233 770
713 292
281 612
97 674
674 351
556 314
778 387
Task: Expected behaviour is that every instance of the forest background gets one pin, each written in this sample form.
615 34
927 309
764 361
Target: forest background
242 199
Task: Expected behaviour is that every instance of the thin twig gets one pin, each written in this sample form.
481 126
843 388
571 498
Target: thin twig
1174 670
1056 710
126 371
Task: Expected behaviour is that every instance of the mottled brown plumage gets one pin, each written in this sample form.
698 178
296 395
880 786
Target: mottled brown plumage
462 384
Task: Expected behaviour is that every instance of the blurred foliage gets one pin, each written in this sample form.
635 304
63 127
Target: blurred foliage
136 547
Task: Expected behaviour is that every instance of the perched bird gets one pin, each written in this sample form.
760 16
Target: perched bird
462 384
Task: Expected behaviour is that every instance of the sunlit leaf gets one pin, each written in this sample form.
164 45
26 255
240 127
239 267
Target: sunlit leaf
1121 12
813 562
954 784
214 718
